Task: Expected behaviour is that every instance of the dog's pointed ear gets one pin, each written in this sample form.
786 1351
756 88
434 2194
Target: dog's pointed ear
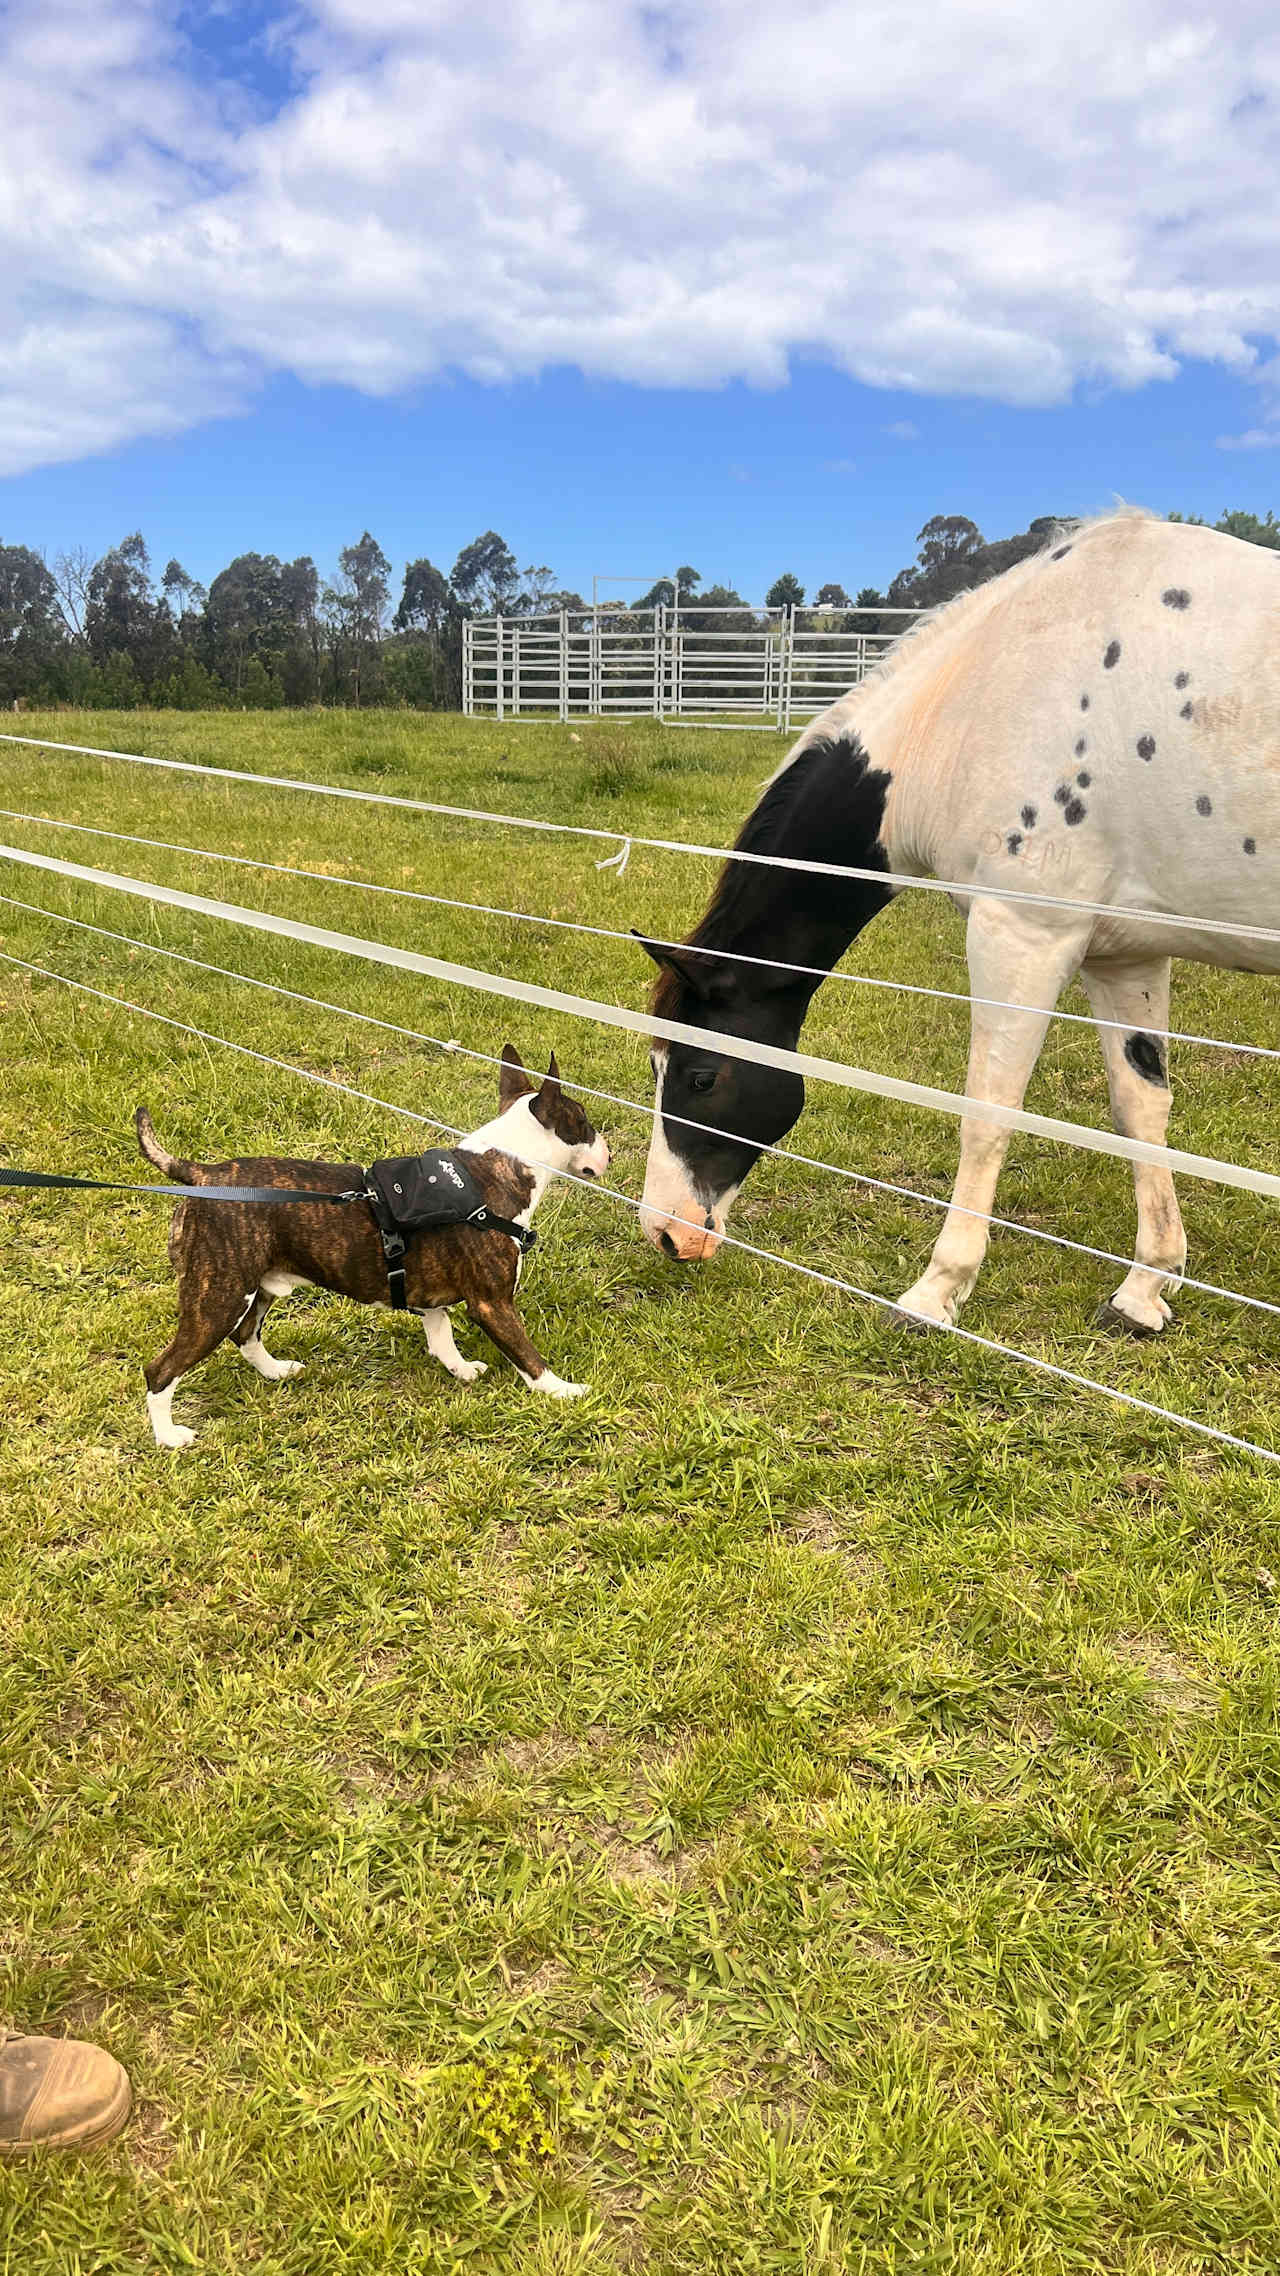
693 970
513 1082
548 1098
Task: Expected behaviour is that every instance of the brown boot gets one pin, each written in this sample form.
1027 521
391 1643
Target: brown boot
58 2094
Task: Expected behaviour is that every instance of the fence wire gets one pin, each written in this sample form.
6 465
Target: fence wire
810 1273
1223 1173
652 940
451 1045
624 840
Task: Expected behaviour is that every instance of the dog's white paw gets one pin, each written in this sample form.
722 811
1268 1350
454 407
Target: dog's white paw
264 1363
167 1433
175 1437
555 1386
469 1370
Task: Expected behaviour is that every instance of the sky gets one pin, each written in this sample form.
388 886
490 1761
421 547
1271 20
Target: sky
750 287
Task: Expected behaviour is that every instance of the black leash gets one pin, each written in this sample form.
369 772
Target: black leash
394 1243
267 1193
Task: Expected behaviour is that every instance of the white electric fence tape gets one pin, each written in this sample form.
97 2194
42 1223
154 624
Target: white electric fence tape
608 932
625 839
636 1106
748 1248
672 1031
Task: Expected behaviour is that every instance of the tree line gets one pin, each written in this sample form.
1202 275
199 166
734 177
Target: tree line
109 635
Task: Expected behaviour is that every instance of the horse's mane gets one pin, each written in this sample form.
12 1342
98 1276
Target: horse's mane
829 796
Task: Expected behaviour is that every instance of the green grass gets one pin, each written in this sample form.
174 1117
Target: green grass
813 1806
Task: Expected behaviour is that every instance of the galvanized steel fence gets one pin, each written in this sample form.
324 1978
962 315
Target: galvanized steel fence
767 668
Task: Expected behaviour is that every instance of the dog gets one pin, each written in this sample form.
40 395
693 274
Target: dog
234 1259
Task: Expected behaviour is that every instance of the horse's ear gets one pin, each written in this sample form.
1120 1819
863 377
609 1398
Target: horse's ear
513 1082
694 970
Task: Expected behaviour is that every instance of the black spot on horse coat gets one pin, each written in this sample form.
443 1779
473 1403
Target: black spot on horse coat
1145 1055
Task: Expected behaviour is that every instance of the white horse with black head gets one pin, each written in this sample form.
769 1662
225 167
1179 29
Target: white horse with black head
1101 724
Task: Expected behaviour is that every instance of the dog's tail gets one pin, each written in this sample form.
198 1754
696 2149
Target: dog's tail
184 1173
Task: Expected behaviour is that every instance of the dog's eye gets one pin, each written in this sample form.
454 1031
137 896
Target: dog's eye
703 1082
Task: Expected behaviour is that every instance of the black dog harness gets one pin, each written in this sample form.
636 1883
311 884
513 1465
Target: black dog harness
416 1193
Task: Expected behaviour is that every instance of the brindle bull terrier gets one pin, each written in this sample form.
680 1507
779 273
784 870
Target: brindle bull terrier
234 1259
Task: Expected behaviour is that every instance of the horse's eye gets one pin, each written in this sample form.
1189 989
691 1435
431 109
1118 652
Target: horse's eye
703 1082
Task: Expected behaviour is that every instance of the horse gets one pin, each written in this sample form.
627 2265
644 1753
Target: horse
1101 725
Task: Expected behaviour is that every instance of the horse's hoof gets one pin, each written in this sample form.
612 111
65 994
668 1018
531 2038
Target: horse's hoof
1117 1323
914 1322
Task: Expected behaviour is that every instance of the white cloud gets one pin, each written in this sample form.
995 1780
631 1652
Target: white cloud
903 431
979 200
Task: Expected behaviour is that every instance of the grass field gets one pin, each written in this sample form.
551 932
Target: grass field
812 1806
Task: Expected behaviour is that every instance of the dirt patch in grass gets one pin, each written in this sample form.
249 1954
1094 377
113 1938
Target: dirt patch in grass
548 1751
632 1862
149 2140
541 1756
1175 1689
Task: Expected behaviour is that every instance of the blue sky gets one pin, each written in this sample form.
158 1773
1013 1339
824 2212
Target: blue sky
594 477
633 286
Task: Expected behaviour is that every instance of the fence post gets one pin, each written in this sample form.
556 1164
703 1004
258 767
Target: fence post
785 666
501 667
564 664
468 689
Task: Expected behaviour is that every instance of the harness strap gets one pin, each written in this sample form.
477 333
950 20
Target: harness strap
486 1222
395 1245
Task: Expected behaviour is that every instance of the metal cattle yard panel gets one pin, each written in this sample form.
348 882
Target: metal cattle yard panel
763 668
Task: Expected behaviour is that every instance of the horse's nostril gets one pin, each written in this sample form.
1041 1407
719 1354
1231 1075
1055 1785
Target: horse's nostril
668 1247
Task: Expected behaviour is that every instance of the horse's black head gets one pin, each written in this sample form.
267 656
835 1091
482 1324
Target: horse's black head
713 1113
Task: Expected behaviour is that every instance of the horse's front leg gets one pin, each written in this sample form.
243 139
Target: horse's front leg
1022 958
